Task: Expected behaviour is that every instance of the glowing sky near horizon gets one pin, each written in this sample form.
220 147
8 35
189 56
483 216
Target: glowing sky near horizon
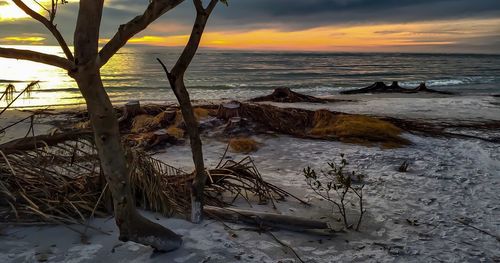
341 25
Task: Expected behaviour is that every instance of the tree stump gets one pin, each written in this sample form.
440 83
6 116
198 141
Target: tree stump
229 110
130 110
233 125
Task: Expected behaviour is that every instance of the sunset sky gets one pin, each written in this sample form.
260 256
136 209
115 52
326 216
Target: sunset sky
451 26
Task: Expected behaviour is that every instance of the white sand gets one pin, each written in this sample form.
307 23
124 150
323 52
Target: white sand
449 179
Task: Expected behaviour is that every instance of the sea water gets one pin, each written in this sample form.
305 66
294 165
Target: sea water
134 73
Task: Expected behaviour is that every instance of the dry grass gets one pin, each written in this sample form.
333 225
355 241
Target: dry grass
201 113
148 123
243 145
357 129
176 132
83 125
144 123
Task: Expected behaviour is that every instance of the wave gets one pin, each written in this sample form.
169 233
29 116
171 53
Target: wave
454 82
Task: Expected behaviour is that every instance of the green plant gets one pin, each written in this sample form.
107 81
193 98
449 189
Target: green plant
335 185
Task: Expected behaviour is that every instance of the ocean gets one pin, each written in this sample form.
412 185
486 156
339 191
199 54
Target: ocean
134 73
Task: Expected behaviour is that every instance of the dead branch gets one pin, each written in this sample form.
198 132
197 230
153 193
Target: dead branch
37 57
48 24
155 9
31 143
262 219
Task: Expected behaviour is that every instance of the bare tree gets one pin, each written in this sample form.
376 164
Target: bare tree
84 66
176 80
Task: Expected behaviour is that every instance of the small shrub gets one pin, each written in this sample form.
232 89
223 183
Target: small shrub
336 181
243 145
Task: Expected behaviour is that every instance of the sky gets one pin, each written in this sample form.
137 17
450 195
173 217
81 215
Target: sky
441 26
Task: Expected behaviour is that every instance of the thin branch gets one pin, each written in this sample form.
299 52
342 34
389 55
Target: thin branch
37 57
49 25
194 40
198 4
478 229
211 6
154 10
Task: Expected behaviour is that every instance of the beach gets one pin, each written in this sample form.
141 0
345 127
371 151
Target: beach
423 215
238 131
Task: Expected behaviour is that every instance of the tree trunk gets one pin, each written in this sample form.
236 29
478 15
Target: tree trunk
177 84
132 225
176 79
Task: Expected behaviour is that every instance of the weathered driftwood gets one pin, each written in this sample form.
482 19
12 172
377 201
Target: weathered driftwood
32 143
262 219
289 96
381 87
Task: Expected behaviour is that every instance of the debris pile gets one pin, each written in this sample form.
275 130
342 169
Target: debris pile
62 183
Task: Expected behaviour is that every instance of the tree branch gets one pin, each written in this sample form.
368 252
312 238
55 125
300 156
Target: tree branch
49 25
198 4
37 57
194 40
155 9
211 6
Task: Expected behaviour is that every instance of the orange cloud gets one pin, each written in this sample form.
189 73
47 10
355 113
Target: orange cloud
336 38
23 40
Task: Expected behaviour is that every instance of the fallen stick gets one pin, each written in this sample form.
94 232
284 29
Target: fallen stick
32 143
478 229
260 219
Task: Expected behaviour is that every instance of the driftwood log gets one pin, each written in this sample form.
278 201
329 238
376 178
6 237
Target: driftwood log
262 219
287 95
32 143
381 87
